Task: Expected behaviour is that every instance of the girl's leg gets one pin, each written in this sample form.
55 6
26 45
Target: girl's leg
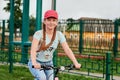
38 74
49 74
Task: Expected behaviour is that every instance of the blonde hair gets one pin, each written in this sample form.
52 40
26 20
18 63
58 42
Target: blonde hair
42 43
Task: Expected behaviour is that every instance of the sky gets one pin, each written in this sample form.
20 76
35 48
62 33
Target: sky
105 9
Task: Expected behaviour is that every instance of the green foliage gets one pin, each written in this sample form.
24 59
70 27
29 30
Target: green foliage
18 16
17 13
117 19
32 26
70 23
117 22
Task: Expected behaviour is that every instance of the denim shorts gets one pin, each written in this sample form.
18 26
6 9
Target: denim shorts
42 74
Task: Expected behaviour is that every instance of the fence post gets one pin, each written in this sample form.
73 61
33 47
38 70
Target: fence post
108 65
39 15
55 58
81 37
25 28
3 34
115 45
53 5
11 35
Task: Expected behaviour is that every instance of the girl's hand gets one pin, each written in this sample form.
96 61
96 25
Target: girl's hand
37 66
77 66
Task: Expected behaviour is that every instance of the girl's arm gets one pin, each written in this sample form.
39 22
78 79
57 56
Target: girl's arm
33 53
70 54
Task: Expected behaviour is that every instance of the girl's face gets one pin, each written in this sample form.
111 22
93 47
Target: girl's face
50 23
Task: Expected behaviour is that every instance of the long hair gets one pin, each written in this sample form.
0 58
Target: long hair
42 43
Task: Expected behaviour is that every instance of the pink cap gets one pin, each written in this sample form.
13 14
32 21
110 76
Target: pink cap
50 13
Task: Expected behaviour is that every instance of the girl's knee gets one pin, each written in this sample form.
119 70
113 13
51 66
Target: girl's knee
40 76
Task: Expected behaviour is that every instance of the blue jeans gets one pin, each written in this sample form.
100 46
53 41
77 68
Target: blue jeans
42 74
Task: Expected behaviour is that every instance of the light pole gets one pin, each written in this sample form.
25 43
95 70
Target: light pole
53 6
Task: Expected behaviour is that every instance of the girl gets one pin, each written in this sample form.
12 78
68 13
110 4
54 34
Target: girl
44 43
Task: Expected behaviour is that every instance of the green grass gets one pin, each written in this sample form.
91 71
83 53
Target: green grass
22 73
19 73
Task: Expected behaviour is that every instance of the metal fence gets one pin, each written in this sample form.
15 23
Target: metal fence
87 37
91 35
94 38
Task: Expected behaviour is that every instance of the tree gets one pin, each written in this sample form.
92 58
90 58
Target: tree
117 19
17 14
32 26
70 23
